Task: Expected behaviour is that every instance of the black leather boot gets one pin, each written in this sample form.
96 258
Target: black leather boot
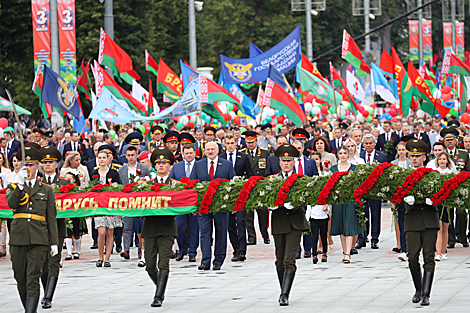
160 294
286 286
280 276
31 305
49 293
416 275
44 285
427 282
154 278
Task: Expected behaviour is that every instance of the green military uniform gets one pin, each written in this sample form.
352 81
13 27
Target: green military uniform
154 144
462 163
159 233
287 227
258 164
421 227
33 230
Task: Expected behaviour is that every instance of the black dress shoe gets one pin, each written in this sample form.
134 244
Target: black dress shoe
118 249
353 251
367 239
173 255
307 254
315 260
396 250
94 246
179 257
465 244
250 243
192 258
235 258
374 245
216 267
360 244
267 241
450 246
204 267
297 256
242 256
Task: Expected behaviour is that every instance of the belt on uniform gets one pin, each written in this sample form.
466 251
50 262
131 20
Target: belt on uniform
31 216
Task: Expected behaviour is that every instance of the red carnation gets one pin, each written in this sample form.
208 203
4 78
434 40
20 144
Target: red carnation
96 176
139 172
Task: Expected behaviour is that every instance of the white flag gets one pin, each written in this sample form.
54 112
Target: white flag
354 86
142 95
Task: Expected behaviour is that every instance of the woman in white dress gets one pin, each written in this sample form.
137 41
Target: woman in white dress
354 157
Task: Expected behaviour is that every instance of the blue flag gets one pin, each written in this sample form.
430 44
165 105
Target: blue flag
254 50
279 79
57 92
79 124
109 108
188 73
249 106
391 80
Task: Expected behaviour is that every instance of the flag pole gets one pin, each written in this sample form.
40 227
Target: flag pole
336 108
19 126
83 129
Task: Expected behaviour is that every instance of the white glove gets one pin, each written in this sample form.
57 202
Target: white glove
54 250
288 206
409 200
428 201
22 175
272 208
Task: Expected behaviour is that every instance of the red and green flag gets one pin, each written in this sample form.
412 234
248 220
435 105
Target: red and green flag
463 94
338 81
281 100
425 74
213 92
310 67
150 64
353 55
453 65
404 84
213 111
103 79
114 57
422 91
168 83
83 79
46 108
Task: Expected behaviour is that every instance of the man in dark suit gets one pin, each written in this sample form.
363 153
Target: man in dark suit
13 145
207 170
421 135
272 164
384 138
76 145
239 141
236 221
371 156
337 140
186 222
258 158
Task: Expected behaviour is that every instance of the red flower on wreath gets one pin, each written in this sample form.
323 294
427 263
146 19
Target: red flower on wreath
330 184
99 187
369 182
3 191
209 195
156 186
410 180
189 183
245 192
128 187
66 188
96 176
283 191
448 186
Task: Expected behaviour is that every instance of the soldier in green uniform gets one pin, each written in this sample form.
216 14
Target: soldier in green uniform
156 132
421 227
209 135
33 229
160 231
462 163
287 226
456 123
258 157
50 270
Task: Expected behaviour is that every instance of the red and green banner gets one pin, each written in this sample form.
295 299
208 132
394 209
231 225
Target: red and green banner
114 57
413 40
463 94
213 92
83 79
134 204
352 54
150 64
103 79
41 32
46 108
338 81
422 91
213 111
168 83
460 40
404 84
310 67
427 40
447 33
67 45
453 65
281 100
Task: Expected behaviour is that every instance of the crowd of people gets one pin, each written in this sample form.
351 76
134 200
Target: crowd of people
121 154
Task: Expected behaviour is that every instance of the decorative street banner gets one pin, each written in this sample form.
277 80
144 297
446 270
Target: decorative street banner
414 40
284 56
188 104
67 45
41 33
134 204
427 40
447 32
459 40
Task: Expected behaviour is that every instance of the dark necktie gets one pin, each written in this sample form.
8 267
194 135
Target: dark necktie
49 181
451 154
286 175
230 158
29 185
252 154
211 171
188 168
368 158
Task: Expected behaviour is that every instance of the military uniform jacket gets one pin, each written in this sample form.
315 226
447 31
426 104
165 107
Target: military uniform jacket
40 201
421 216
61 226
461 160
159 225
152 145
202 150
284 220
258 164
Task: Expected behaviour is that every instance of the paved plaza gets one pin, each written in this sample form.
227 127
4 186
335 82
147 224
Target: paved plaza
375 281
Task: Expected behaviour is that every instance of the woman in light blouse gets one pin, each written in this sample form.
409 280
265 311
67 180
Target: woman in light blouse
321 145
72 164
354 157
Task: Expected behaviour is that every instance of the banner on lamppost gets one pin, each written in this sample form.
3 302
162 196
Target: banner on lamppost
41 32
414 40
459 40
67 42
427 40
447 32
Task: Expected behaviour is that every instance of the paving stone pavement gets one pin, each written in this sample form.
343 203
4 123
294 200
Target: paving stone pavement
376 281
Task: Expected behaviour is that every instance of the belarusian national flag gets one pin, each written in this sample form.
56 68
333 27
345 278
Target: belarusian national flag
422 91
213 92
281 100
114 57
321 90
353 55
213 111
150 64
259 99
310 67
424 73
338 81
83 80
46 108
103 79
463 96
404 84
168 83
453 65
